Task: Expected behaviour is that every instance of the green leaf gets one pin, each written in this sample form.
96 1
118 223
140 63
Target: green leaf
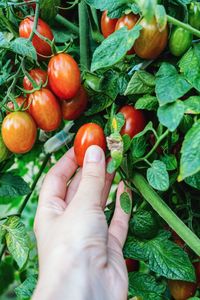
161 17
23 47
157 176
138 146
147 102
114 48
126 203
145 286
127 142
117 123
190 158
110 5
190 66
49 9
162 256
12 186
148 8
192 105
170 115
6 275
170 161
194 181
141 82
26 289
169 84
17 240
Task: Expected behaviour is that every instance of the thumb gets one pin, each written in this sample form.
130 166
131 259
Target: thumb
93 178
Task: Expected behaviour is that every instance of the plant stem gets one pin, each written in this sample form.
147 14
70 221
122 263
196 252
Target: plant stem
166 213
37 12
69 25
84 35
183 25
26 199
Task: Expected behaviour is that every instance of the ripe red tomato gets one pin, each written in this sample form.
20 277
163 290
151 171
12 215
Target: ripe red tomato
129 21
64 76
43 48
107 24
182 290
197 269
72 109
21 101
134 120
88 135
19 132
45 109
132 265
151 41
39 75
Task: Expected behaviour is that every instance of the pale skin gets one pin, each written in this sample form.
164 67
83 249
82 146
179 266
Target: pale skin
80 258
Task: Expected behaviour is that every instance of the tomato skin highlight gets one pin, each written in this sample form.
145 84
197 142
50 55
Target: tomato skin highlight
45 110
64 76
151 41
134 120
42 47
72 109
132 265
107 24
180 41
19 132
194 15
129 21
38 75
88 135
21 101
182 290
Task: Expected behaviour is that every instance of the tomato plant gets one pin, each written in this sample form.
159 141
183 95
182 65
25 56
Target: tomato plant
64 76
89 134
70 60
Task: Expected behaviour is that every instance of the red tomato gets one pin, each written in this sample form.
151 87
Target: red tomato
21 101
134 120
132 265
39 75
64 76
129 21
72 109
182 290
19 132
197 269
43 48
151 41
88 135
45 110
107 24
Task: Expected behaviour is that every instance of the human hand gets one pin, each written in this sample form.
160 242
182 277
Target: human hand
79 256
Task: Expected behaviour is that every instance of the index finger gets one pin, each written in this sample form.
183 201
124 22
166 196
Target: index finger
55 183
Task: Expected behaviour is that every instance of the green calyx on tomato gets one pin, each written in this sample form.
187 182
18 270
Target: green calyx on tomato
4 152
180 41
194 15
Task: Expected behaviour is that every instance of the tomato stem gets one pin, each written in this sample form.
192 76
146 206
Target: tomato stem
183 25
84 35
166 213
66 23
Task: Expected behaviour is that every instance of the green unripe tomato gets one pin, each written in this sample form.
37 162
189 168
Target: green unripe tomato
194 15
180 41
4 152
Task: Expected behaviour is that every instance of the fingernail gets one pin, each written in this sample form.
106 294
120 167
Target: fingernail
93 154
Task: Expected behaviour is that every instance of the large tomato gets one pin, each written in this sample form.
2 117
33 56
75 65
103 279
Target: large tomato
107 24
132 265
88 135
64 76
45 109
21 102
129 21
134 120
182 290
151 41
19 132
38 75
26 26
72 109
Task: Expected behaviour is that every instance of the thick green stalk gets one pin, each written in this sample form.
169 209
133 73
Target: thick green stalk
183 25
69 25
84 35
166 213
